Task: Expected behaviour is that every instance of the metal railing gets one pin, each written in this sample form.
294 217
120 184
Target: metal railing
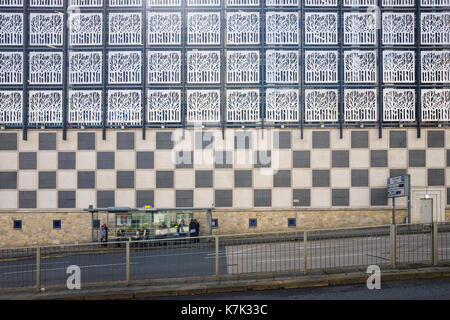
297 251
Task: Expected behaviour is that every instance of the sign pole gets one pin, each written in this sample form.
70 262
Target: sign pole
393 210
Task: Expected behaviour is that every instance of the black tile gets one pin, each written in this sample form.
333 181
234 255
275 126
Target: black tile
86 179
436 177
125 179
86 140
242 140
164 140
321 178
184 198
301 159
47 179
242 178
448 158
203 179
66 160
223 198
66 199
164 179
360 139
105 160
223 159
262 159
397 139
262 198
378 197
340 158
417 158
378 158
27 160
320 139
282 178
436 139
340 197
125 140
204 140
27 199
303 196
448 196
145 160
184 159
360 178
145 198
47 141
8 141
8 180
105 198
282 140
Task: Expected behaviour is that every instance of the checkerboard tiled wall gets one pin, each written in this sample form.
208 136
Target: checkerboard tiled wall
244 169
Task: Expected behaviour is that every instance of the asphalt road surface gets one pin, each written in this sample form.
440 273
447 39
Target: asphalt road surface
235 257
428 289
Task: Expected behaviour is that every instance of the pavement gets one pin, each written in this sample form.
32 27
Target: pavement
192 286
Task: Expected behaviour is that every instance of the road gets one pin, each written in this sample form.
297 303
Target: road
428 289
235 257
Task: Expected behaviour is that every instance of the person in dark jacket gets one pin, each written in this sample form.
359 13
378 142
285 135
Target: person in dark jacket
197 229
192 229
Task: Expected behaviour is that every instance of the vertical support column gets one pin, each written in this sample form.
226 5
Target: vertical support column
105 68
393 236
305 253
341 70
418 73
262 69
26 68
38 269
435 244
223 57
183 110
380 72
65 68
217 256
302 69
144 68
128 261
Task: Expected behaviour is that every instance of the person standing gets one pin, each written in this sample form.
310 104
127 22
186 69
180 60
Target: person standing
192 229
102 234
197 230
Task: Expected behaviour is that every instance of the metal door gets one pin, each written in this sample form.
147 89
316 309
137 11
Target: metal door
426 210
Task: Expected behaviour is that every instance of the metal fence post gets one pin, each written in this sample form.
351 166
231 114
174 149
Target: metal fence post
393 233
38 269
128 261
434 239
217 256
305 255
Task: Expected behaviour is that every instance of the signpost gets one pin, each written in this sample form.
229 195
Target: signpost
399 187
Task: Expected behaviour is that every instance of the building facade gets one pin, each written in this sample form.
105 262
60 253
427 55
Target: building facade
266 110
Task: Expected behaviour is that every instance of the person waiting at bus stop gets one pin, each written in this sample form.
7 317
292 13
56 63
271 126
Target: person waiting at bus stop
192 229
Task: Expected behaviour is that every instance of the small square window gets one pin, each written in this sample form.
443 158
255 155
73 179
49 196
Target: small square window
17 224
253 223
292 222
96 224
56 224
214 223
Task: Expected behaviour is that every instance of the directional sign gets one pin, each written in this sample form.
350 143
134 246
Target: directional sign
398 186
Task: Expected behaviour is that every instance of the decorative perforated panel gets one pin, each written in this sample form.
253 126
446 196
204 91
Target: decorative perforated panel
282 28
164 66
203 28
321 66
164 106
243 28
399 105
125 28
281 66
282 105
85 67
360 66
86 3
124 107
45 107
398 66
11 106
243 105
435 66
239 3
85 29
46 67
203 66
124 67
320 28
85 107
11 29
164 3
360 105
11 67
46 29
321 105
436 104
203 105
242 66
359 28
164 28
398 28
435 28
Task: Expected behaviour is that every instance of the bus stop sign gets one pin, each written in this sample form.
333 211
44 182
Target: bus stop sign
398 186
